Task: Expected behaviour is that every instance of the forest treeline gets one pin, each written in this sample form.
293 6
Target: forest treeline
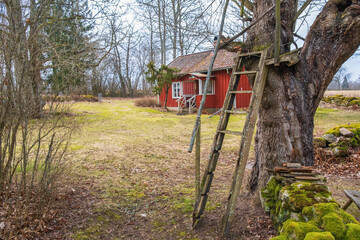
91 47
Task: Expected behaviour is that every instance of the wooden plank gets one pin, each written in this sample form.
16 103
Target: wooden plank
304 173
238 92
197 161
245 72
347 204
353 196
207 185
214 162
202 205
304 170
293 165
308 178
281 169
287 175
290 59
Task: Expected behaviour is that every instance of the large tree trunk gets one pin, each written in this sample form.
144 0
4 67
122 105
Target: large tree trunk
292 94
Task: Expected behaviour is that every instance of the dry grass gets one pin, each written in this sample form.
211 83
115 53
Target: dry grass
147 102
346 93
142 177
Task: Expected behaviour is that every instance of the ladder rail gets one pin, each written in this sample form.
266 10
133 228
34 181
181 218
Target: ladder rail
246 134
216 147
245 144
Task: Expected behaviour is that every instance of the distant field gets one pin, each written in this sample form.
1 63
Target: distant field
347 93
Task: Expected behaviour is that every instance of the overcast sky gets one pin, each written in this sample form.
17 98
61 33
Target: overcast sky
352 65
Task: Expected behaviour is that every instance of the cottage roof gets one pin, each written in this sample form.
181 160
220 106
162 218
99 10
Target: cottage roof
199 62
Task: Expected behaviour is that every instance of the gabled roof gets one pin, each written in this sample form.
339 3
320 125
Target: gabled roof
199 62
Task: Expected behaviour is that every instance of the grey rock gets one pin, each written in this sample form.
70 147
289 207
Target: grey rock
330 138
345 132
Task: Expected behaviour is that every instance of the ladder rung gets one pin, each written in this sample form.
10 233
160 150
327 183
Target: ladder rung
235 112
245 72
235 92
231 132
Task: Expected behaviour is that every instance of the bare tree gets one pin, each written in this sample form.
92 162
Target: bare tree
339 78
31 150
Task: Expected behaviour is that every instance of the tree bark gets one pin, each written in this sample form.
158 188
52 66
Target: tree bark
35 60
292 94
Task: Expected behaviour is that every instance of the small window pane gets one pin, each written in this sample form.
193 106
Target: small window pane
211 87
176 90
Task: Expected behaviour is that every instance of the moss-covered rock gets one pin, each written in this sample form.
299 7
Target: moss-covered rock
295 230
330 138
319 142
347 217
304 194
318 211
353 141
319 236
352 232
354 103
280 237
341 100
269 194
333 223
306 210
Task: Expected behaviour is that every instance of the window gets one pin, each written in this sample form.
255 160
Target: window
211 88
176 90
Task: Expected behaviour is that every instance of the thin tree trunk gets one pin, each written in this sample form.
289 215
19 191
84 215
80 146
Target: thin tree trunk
175 26
35 62
164 32
160 33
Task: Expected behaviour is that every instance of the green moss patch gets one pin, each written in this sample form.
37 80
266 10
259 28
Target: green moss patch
280 237
352 232
334 223
297 230
270 193
319 236
304 194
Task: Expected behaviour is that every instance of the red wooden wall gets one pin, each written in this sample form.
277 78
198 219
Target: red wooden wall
222 79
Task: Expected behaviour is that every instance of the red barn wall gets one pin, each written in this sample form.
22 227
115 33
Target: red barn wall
222 79
171 102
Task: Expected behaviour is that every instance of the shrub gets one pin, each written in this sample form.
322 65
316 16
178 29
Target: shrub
77 98
340 100
146 102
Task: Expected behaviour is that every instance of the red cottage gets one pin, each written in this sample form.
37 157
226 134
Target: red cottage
186 91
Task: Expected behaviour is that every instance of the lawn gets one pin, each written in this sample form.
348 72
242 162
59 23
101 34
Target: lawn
132 166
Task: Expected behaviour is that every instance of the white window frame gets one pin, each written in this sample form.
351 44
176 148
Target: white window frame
178 87
202 84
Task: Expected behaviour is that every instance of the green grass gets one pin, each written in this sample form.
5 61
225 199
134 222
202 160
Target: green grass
326 118
138 161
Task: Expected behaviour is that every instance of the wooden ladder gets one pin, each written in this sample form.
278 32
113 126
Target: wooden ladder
246 134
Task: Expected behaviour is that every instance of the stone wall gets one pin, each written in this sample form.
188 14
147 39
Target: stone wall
306 210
